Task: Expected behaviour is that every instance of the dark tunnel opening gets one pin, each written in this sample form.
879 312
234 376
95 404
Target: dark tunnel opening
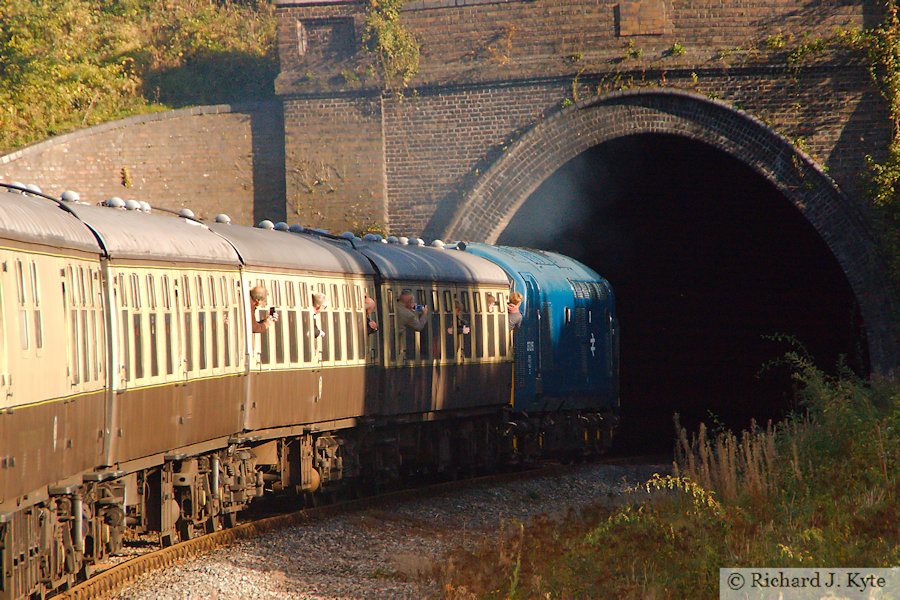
713 268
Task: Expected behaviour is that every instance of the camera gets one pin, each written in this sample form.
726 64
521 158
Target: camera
272 310
419 307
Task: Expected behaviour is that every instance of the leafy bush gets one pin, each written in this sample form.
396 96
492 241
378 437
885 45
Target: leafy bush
66 64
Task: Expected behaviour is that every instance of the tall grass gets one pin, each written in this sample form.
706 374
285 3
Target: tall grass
819 489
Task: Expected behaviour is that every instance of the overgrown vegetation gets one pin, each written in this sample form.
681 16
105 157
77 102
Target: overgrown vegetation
66 64
395 48
820 489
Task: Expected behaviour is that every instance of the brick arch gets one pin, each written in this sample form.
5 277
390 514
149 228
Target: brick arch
841 222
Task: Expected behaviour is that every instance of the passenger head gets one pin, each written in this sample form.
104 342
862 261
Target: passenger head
457 306
369 304
406 298
490 301
258 295
516 298
319 301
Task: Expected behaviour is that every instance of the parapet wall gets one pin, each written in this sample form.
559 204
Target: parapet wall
211 159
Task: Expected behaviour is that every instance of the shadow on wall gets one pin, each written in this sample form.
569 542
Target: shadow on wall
267 142
214 78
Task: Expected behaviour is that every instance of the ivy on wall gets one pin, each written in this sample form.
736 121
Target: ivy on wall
883 48
396 50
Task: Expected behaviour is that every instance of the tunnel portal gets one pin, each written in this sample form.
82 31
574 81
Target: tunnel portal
716 275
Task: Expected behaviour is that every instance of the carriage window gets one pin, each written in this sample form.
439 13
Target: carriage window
167 304
362 327
94 360
154 358
491 339
151 292
335 299
348 332
138 348
201 294
20 282
279 340
201 336
237 337
448 302
186 291
325 341
38 330
214 331
464 296
289 293
123 296
81 285
347 303
189 341
212 292
264 349
476 297
390 301
76 367
226 334
293 346
307 334
135 291
35 288
126 346
168 325
338 346
304 296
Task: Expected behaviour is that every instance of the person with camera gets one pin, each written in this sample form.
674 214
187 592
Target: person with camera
258 296
409 314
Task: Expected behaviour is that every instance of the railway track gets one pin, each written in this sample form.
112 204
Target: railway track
106 582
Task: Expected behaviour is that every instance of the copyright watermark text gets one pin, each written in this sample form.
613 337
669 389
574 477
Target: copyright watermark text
809 584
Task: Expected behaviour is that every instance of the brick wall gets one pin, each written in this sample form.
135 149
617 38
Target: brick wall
333 162
215 159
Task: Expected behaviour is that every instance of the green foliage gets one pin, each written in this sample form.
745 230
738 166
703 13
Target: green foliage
677 49
820 489
67 64
395 48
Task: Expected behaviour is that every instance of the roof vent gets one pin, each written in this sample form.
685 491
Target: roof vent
437 244
186 213
281 226
296 228
403 240
20 187
347 235
370 237
145 206
460 245
114 202
415 242
70 196
223 218
266 224
392 239
132 205
33 188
